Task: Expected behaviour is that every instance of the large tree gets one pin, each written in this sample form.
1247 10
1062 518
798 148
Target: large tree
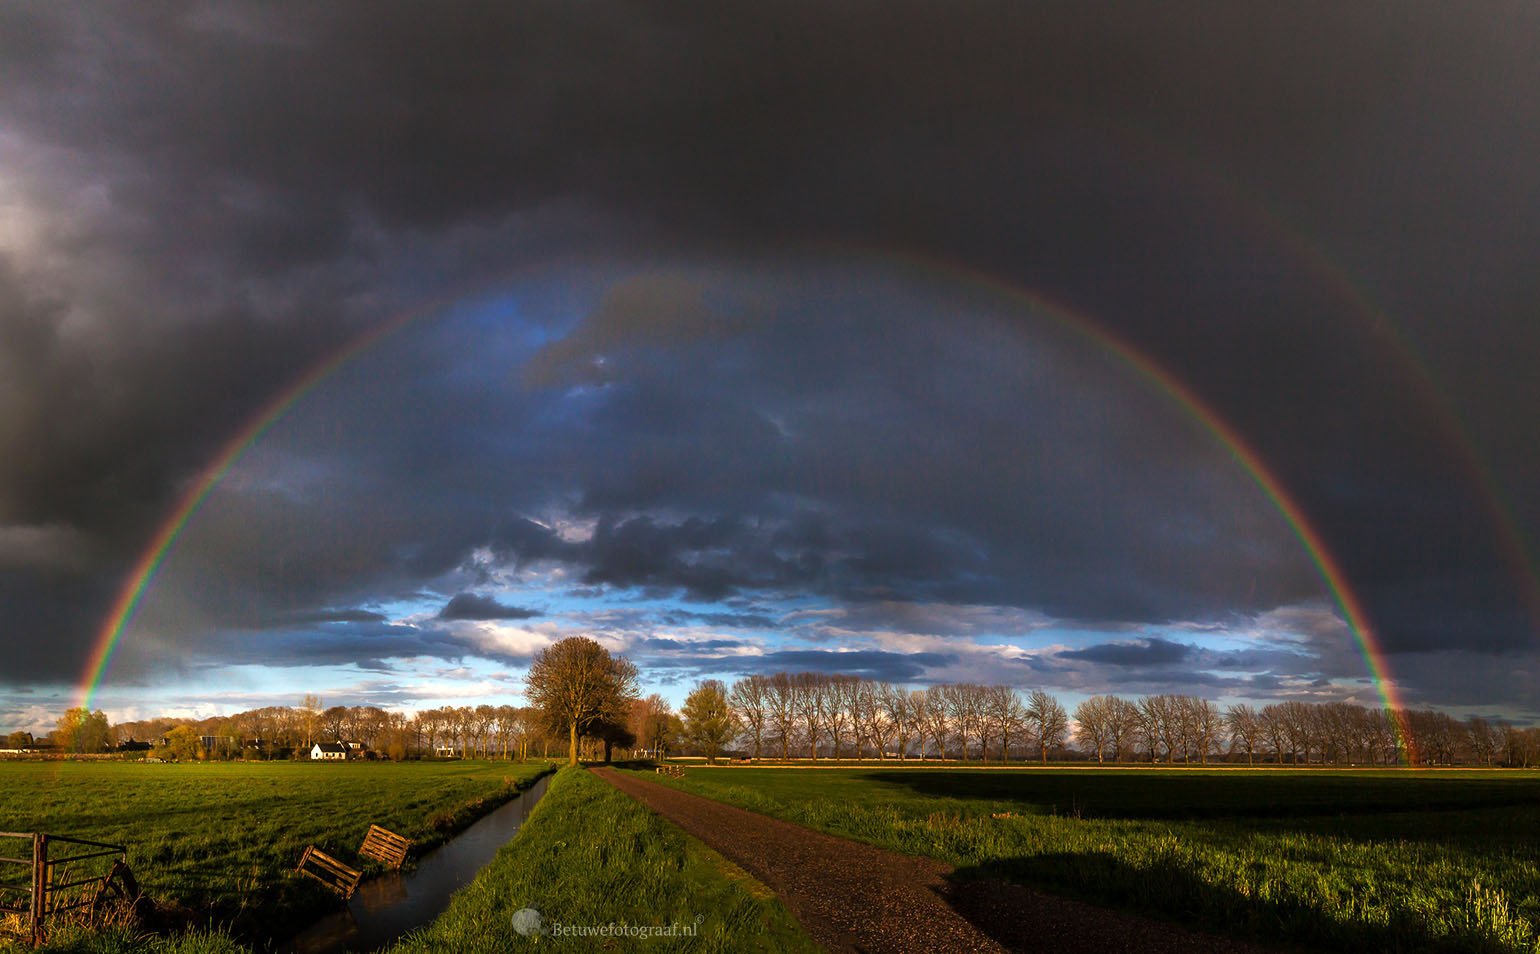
708 719
82 731
577 683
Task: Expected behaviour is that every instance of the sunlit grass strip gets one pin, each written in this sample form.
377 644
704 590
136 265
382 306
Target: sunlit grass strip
1385 880
220 840
590 856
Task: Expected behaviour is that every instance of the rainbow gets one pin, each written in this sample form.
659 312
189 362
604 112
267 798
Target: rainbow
1268 221
1348 603
144 569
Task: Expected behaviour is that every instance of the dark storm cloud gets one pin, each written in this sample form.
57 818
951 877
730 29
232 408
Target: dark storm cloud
1151 651
871 664
726 620
366 644
666 644
335 616
204 199
472 606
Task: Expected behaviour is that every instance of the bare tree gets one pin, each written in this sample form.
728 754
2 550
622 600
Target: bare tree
750 701
1006 717
938 719
1245 730
1122 725
1093 719
895 705
1208 726
808 690
783 711
1046 720
1484 739
871 713
834 704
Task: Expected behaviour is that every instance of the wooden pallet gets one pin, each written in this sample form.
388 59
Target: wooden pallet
384 846
329 871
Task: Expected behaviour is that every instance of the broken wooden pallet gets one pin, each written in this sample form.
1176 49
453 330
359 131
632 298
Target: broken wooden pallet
384 846
329 871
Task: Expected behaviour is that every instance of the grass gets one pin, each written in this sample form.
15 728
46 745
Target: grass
1342 860
218 841
590 856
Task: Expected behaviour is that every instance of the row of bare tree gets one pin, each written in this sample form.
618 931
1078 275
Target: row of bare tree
806 714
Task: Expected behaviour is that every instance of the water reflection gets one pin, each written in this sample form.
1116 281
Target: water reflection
383 909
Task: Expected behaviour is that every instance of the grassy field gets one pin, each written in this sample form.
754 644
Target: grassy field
590 857
219 840
1349 860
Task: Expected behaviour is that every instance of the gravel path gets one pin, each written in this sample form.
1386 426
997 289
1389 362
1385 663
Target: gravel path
853 897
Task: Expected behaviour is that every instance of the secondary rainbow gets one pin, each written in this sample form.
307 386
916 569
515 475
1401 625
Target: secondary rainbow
1348 602
143 571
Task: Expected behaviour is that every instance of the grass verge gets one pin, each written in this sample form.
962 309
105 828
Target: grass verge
216 843
591 858
1340 861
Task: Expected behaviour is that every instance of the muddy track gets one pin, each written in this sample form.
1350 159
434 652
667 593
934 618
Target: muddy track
855 898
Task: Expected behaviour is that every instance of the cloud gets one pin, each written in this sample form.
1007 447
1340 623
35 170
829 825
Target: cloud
871 664
1143 653
472 606
1337 260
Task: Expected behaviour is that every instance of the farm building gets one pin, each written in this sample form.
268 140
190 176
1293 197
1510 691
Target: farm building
329 752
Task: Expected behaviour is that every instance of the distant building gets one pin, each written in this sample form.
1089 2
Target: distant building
329 752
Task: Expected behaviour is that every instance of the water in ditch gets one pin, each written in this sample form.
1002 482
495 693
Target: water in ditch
383 909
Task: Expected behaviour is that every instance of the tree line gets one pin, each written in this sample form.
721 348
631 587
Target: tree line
587 701
818 715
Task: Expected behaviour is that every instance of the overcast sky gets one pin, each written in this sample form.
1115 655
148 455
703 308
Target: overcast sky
770 337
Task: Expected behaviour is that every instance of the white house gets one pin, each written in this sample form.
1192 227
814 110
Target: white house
329 751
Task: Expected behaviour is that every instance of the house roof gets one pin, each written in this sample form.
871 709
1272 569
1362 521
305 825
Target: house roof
331 747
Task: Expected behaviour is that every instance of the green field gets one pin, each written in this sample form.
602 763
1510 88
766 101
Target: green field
218 840
590 857
1341 860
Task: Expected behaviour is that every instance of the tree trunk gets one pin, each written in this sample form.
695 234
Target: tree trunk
572 751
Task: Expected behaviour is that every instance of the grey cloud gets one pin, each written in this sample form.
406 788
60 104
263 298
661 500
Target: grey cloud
203 201
472 606
1142 653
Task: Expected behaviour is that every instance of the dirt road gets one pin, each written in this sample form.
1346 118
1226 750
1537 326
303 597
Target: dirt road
855 898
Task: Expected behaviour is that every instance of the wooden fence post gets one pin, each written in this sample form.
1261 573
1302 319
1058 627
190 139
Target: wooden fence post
39 885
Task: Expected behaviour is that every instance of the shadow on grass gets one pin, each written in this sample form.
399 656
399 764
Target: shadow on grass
997 898
1178 795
